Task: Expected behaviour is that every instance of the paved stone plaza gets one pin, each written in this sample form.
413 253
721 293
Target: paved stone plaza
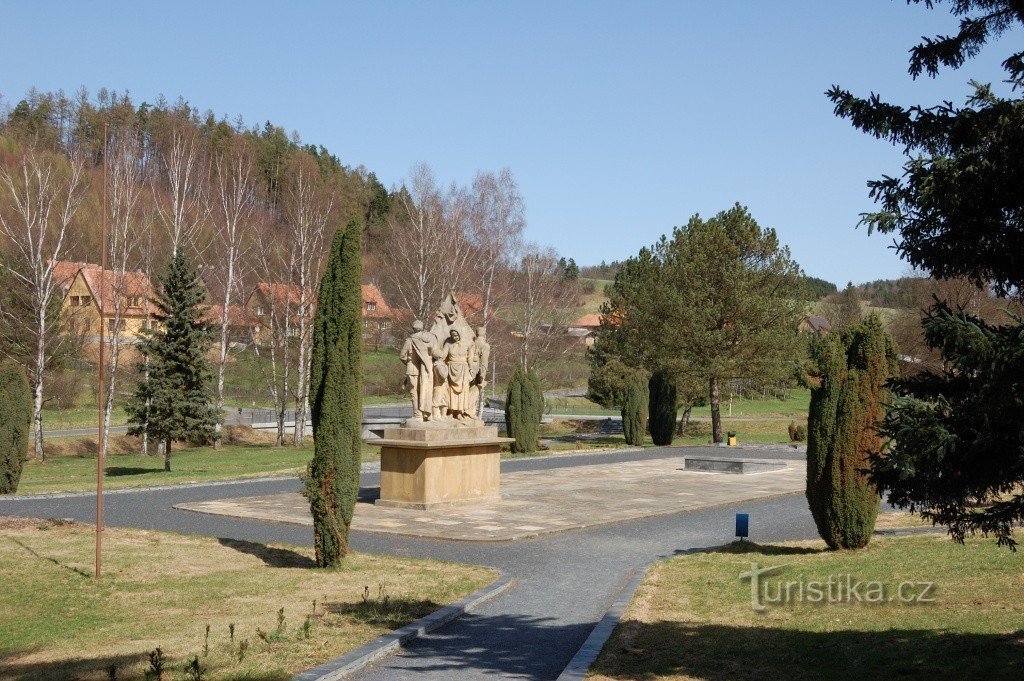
541 502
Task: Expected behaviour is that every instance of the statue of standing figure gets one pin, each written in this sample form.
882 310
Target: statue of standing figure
481 355
419 370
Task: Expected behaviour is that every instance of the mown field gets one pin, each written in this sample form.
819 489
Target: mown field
274 614
692 617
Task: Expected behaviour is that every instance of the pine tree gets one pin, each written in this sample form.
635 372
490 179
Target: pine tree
846 410
336 390
15 420
522 412
662 407
174 397
634 410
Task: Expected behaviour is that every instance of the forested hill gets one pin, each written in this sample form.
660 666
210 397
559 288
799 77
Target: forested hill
74 126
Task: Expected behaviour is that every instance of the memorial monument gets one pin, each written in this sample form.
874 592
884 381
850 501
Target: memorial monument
443 454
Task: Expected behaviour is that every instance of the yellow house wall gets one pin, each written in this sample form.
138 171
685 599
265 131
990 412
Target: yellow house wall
89 314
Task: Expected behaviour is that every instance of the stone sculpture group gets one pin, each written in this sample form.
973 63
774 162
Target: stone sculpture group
446 369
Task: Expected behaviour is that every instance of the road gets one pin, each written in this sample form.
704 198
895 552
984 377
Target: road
564 582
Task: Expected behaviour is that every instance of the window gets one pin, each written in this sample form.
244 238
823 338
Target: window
112 326
84 300
261 311
74 301
371 306
366 323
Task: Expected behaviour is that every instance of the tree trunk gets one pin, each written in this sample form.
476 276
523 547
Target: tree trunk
37 397
167 455
684 422
716 416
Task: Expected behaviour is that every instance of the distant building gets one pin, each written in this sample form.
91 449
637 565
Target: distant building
91 295
269 298
814 324
585 328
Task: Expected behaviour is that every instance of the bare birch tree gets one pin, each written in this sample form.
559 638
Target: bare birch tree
308 204
426 234
544 304
498 220
41 195
234 190
119 288
182 174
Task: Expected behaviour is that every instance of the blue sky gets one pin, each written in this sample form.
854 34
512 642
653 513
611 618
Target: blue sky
619 119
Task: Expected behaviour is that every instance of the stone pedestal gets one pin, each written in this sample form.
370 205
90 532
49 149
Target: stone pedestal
424 468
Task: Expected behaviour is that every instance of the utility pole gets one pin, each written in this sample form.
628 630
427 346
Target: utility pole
101 438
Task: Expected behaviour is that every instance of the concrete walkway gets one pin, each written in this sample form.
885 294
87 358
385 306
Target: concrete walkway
564 581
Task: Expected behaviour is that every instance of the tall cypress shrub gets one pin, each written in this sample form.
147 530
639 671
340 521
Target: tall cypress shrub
522 413
846 408
174 398
634 410
336 393
15 419
537 397
662 407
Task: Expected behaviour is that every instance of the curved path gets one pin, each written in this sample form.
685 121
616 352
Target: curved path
564 582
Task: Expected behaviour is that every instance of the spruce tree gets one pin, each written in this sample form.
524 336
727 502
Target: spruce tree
662 407
846 409
634 410
522 413
957 430
15 419
174 398
336 392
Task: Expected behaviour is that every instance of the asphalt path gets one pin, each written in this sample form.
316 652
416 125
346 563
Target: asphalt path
564 582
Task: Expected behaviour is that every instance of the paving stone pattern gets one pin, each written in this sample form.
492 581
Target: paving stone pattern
540 502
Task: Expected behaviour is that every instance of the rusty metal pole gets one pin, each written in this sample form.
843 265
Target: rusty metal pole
101 439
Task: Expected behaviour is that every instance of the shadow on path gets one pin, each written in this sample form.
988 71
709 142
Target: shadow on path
480 646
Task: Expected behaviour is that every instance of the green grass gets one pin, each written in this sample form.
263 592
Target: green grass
163 589
80 417
692 617
203 464
797 405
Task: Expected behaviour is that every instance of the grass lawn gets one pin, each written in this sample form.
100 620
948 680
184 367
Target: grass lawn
796 406
692 617
167 590
79 417
201 464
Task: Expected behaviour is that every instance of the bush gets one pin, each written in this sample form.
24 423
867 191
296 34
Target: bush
522 410
801 434
792 431
634 410
15 417
662 408
846 408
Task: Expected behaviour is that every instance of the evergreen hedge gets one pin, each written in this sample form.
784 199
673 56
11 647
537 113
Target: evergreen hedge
15 420
846 409
524 408
336 391
662 407
634 410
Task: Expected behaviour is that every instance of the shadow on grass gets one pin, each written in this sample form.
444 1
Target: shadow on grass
647 651
117 471
381 611
68 668
274 557
769 549
77 571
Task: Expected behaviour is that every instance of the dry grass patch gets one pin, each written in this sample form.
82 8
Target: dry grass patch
162 590
692 617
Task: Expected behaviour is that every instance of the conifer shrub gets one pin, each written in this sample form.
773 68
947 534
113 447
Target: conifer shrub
15 420
662 407
634 410
846 409
331 482
522 411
